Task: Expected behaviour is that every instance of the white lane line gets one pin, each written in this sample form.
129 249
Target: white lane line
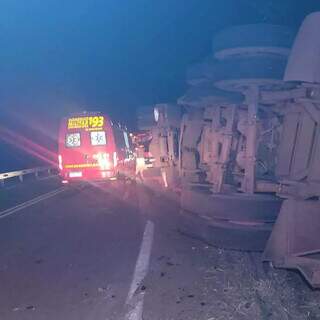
140 272
142 264
31 202
136 312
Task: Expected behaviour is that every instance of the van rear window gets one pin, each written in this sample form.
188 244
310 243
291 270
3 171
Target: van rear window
73 140
98 138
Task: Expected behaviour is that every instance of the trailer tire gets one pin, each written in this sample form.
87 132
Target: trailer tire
232 207
223 234
263 67
253 35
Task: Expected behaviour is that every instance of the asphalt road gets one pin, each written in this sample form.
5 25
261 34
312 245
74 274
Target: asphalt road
113 251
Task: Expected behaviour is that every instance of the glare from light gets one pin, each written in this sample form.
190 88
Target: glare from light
103 174
156 114
35 150
103 160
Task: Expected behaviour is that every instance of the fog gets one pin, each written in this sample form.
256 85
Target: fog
59 57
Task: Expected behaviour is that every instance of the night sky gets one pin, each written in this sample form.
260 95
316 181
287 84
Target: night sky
58 57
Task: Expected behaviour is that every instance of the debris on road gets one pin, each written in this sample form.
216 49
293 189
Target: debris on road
39 261
102 289
32 308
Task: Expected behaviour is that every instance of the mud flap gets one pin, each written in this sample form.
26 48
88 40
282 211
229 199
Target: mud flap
295 239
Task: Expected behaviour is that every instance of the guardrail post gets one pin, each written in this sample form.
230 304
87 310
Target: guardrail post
36 174
2 182
49 171
21 178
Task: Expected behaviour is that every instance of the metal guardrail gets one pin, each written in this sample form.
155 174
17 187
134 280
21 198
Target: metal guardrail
21 173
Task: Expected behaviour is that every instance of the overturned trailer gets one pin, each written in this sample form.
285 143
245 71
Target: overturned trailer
247 161
295 239
231 195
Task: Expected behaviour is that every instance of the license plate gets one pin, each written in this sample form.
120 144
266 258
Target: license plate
75 174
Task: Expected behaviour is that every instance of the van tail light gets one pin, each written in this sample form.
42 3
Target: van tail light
103 161
60 162
115 159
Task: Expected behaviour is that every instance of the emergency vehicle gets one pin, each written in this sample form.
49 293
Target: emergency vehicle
92 147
